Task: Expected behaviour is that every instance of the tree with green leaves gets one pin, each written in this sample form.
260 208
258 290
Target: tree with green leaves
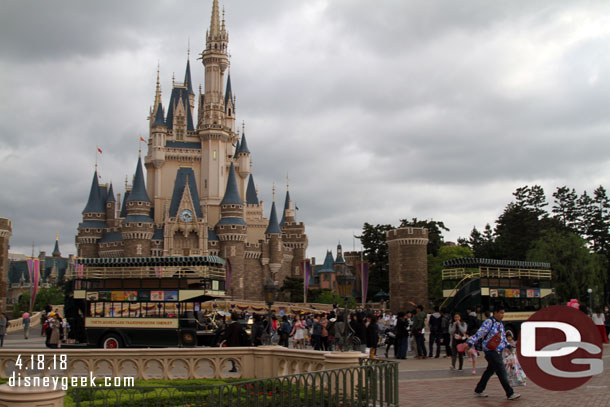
435 267
373 239
575 268
565 208
330 297
293 289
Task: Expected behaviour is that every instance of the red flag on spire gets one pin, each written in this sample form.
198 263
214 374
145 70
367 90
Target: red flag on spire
141 139
99 150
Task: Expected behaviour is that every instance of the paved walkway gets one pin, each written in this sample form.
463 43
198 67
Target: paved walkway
429 383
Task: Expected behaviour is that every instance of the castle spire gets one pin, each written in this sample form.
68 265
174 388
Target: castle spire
273 226
187 78
158 88
243 146
94 204
56 252
231 196
251 195
138 192
110 194
215 20
287 205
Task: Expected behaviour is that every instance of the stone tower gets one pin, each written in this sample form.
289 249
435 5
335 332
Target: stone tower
294 236
137 227
6 230
408 267
231 231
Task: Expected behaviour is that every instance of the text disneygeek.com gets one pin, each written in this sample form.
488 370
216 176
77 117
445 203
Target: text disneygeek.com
63 383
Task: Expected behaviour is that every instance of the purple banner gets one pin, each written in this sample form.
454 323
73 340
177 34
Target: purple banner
364 275
306 273
227 275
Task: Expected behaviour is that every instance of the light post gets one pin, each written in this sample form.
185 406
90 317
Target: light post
269 290
345 284
590 291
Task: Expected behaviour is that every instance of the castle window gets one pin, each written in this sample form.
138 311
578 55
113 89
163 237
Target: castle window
139 225
232 226
229 111
214 154
205 182
87 230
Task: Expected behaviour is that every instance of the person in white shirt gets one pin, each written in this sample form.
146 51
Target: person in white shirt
600 321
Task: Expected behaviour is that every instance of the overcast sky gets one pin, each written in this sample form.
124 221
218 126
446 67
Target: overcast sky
377 110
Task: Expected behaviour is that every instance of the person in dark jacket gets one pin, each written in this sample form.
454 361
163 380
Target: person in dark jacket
402 336
359 328
234 335
258 331
434 324
284 331
419 322
372 336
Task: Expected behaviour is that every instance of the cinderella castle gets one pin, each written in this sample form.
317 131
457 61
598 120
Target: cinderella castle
198 195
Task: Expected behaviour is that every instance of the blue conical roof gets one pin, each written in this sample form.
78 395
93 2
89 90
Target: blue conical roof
187 78
251 197
138 192
94 204
228 92
159 120
273 225
243 147
286 207
328 267
56 251
232 193
237 147
110 195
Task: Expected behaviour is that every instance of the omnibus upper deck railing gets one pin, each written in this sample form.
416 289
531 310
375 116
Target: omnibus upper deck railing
92 272
496 272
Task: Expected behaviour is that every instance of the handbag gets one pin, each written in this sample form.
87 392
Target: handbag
495 340
462 347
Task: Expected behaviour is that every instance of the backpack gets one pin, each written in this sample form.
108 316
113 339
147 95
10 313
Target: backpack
473 325
331 328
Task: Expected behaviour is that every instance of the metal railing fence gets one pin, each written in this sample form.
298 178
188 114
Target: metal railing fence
373 383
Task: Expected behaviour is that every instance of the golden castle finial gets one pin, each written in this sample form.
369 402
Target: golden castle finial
56 236
273 193
287 182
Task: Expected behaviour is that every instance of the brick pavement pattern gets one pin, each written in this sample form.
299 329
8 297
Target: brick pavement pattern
459 392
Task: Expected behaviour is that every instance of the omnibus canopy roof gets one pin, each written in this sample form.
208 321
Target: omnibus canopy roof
468 262
169 261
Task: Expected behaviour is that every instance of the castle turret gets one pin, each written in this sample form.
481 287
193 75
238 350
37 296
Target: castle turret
243 157
231 231
92 227
111 219
137 227
189 86
56 252
408 267
229 105
294 236
274 237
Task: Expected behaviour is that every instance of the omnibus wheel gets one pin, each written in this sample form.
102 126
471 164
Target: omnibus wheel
188 339
112 341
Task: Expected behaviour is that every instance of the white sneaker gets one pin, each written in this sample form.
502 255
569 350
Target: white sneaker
514 396
481 394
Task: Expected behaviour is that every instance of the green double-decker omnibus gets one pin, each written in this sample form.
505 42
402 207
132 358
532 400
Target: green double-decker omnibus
145 301
522 287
